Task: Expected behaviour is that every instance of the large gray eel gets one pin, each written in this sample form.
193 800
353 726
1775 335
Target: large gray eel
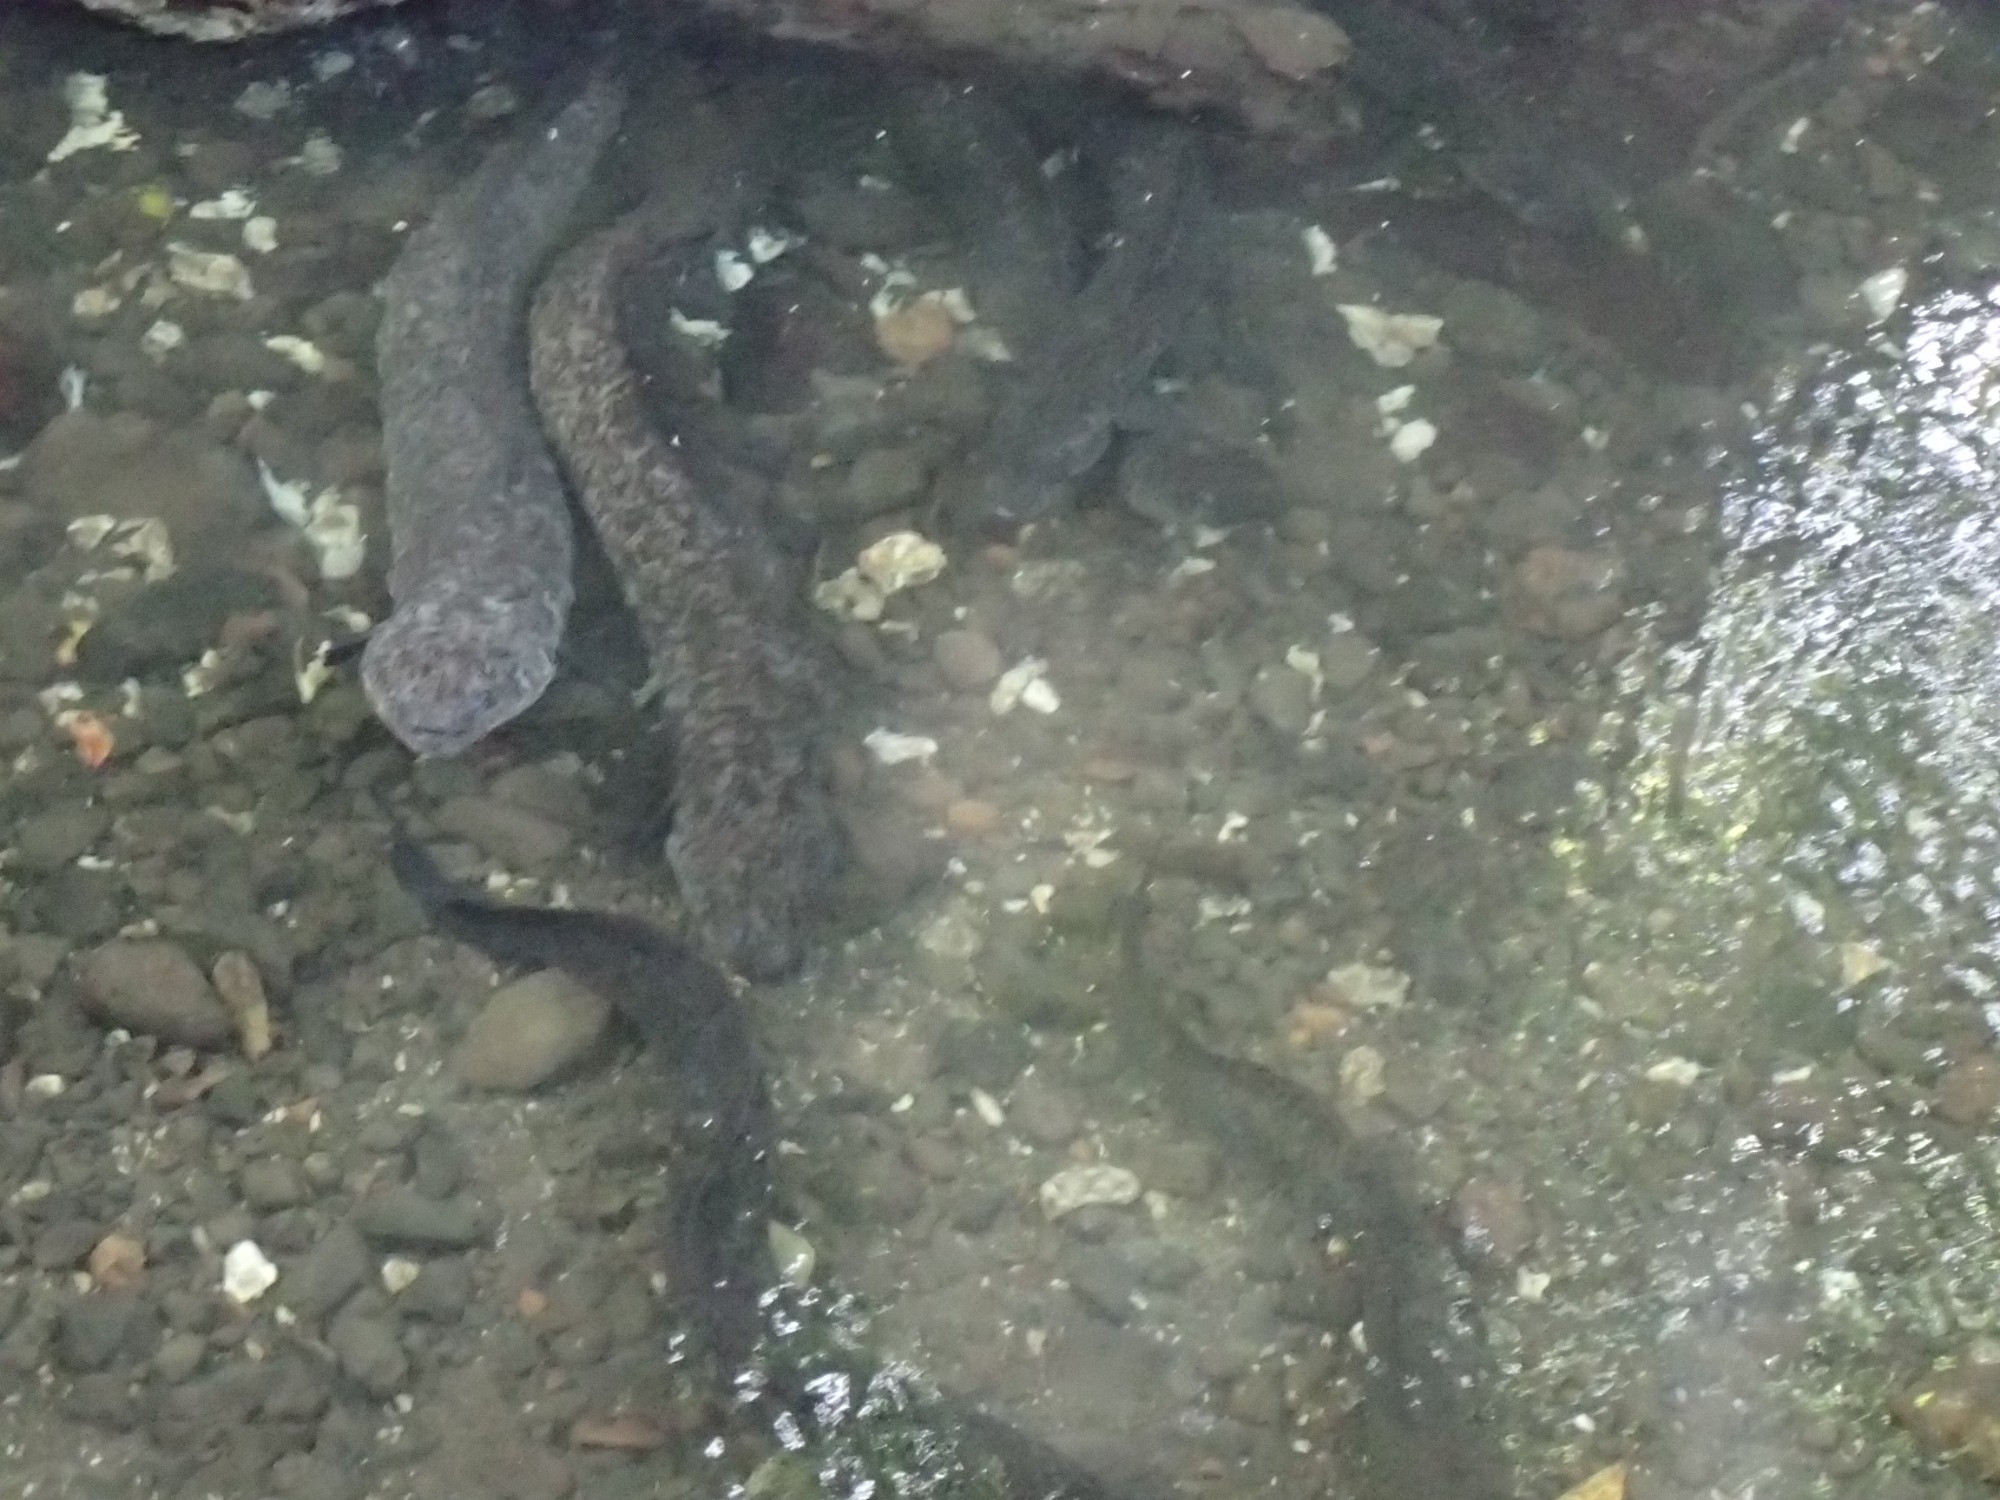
478 522
754 845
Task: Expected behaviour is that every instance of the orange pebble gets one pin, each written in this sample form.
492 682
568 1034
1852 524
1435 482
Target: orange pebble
90 735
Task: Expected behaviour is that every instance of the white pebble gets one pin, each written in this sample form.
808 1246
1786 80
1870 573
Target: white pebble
398 1271
247 1273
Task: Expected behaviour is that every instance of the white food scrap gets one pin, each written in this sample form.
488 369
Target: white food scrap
1392 340
93 124
892 748
215 272
330 524
1025 685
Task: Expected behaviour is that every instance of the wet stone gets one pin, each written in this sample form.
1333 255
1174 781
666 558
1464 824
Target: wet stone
64 1243
93 1329
529 1032
512 836
1105 1284
967 660
179 1356
883 479
398 1216
56 837
272 1183
441 1292
1282 698
152 987
332 1269
370 1354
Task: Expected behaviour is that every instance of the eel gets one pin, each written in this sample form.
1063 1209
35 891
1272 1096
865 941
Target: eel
788 1356
754 845
1418 1441
479 524
688 1015
1057 423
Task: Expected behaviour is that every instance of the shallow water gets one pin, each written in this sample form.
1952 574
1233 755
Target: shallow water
1591 806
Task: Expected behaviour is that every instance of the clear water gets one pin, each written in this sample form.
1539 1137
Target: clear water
1593 806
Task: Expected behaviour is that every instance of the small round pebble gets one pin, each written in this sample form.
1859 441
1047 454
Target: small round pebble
967 660
530 1031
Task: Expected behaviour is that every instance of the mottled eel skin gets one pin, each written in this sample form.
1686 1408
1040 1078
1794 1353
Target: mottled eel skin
755 846
478 521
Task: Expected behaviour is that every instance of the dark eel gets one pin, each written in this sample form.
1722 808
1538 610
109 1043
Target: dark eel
1057 422
754 846
688 1015
478 520
790 1356
1418 1440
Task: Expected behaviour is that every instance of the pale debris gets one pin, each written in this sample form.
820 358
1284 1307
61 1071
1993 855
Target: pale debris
1882 292
93 124
95 302
1026 685
1392 340
893 748
215 272
331 525
705 332
247 1273
260 234
1369 987
161 339
1081 1187
1682 1072
901 560
1322 255
230 203
301 352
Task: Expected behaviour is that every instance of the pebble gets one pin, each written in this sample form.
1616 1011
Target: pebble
529 1032
1282 698
512 836
1041 1114
1968 1092
397 1216
1494 1220
130 466
93 1329
967 660
54 838
179 1356
63 1243
272 1183
152 987
883 479
370 1355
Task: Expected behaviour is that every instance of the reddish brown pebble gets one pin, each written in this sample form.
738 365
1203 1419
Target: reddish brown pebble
117 1263
970 818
